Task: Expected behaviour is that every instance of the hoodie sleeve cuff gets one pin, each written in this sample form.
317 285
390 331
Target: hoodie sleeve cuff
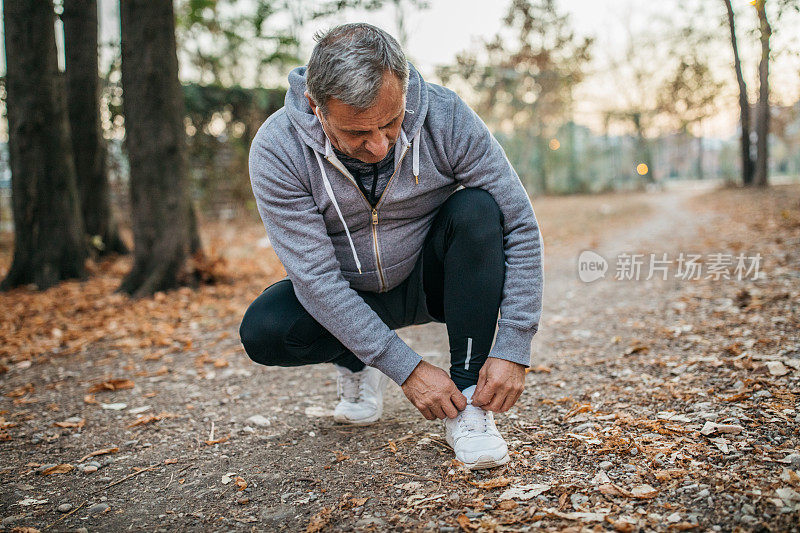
397 360
513 344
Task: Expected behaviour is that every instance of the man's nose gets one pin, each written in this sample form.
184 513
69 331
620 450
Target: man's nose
377 144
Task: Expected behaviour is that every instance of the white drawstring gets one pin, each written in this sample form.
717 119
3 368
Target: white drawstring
415 155
336 206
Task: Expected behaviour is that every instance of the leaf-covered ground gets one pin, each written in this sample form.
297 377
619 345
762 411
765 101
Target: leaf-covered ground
651 404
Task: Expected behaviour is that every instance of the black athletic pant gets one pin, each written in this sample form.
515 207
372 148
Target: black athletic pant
458 280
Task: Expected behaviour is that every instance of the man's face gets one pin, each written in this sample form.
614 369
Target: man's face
366 135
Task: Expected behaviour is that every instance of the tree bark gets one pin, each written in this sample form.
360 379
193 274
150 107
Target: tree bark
761 178
88 146
744 104
700 154
49 243
155 139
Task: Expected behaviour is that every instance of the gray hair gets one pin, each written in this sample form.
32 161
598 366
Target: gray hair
348 63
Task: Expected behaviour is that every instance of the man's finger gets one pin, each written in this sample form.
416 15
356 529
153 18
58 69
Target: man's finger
459 400
438 412
449 409
509 402
427 413
483 393
496 403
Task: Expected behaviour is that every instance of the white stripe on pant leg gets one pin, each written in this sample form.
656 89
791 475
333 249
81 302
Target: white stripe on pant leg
469 353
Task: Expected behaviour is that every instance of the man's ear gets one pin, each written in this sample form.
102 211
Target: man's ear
311 102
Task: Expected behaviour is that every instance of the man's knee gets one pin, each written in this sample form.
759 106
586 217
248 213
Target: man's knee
476 212
263 329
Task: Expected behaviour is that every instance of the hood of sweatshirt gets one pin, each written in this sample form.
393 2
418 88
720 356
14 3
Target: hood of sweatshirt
310 130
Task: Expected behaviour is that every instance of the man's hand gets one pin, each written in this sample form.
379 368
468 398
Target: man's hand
432 391
500 384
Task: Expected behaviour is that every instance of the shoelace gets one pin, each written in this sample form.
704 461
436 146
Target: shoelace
349 386
473 418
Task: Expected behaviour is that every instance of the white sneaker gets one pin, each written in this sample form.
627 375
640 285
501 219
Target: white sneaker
474 437
361 395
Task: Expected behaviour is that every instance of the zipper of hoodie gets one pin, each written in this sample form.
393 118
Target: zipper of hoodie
374 210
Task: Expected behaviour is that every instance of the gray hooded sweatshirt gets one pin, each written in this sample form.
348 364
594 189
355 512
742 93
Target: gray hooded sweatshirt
332 241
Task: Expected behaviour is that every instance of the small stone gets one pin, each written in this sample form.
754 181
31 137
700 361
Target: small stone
584 427
605 465
776 368
64 508
275 516
7 521
674 518
370 522
98 508
578 499
89 469
260 421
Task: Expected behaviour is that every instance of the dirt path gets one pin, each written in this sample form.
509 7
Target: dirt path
608 429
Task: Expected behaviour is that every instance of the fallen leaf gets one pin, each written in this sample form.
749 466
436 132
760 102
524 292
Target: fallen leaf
600 478
493 483
104 451
20 391
524 492
57 469
319 520
148 419
241 483
507 505
340 456
112 384
644 492
465 523
583 517
71 423
670 473
217 441
721 444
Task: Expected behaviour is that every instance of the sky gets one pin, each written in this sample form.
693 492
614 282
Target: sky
448 27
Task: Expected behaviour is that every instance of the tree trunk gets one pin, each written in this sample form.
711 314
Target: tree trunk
744 104
700 154
574 181
155 141
88 147
542 148
643 151
761 178
49 243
